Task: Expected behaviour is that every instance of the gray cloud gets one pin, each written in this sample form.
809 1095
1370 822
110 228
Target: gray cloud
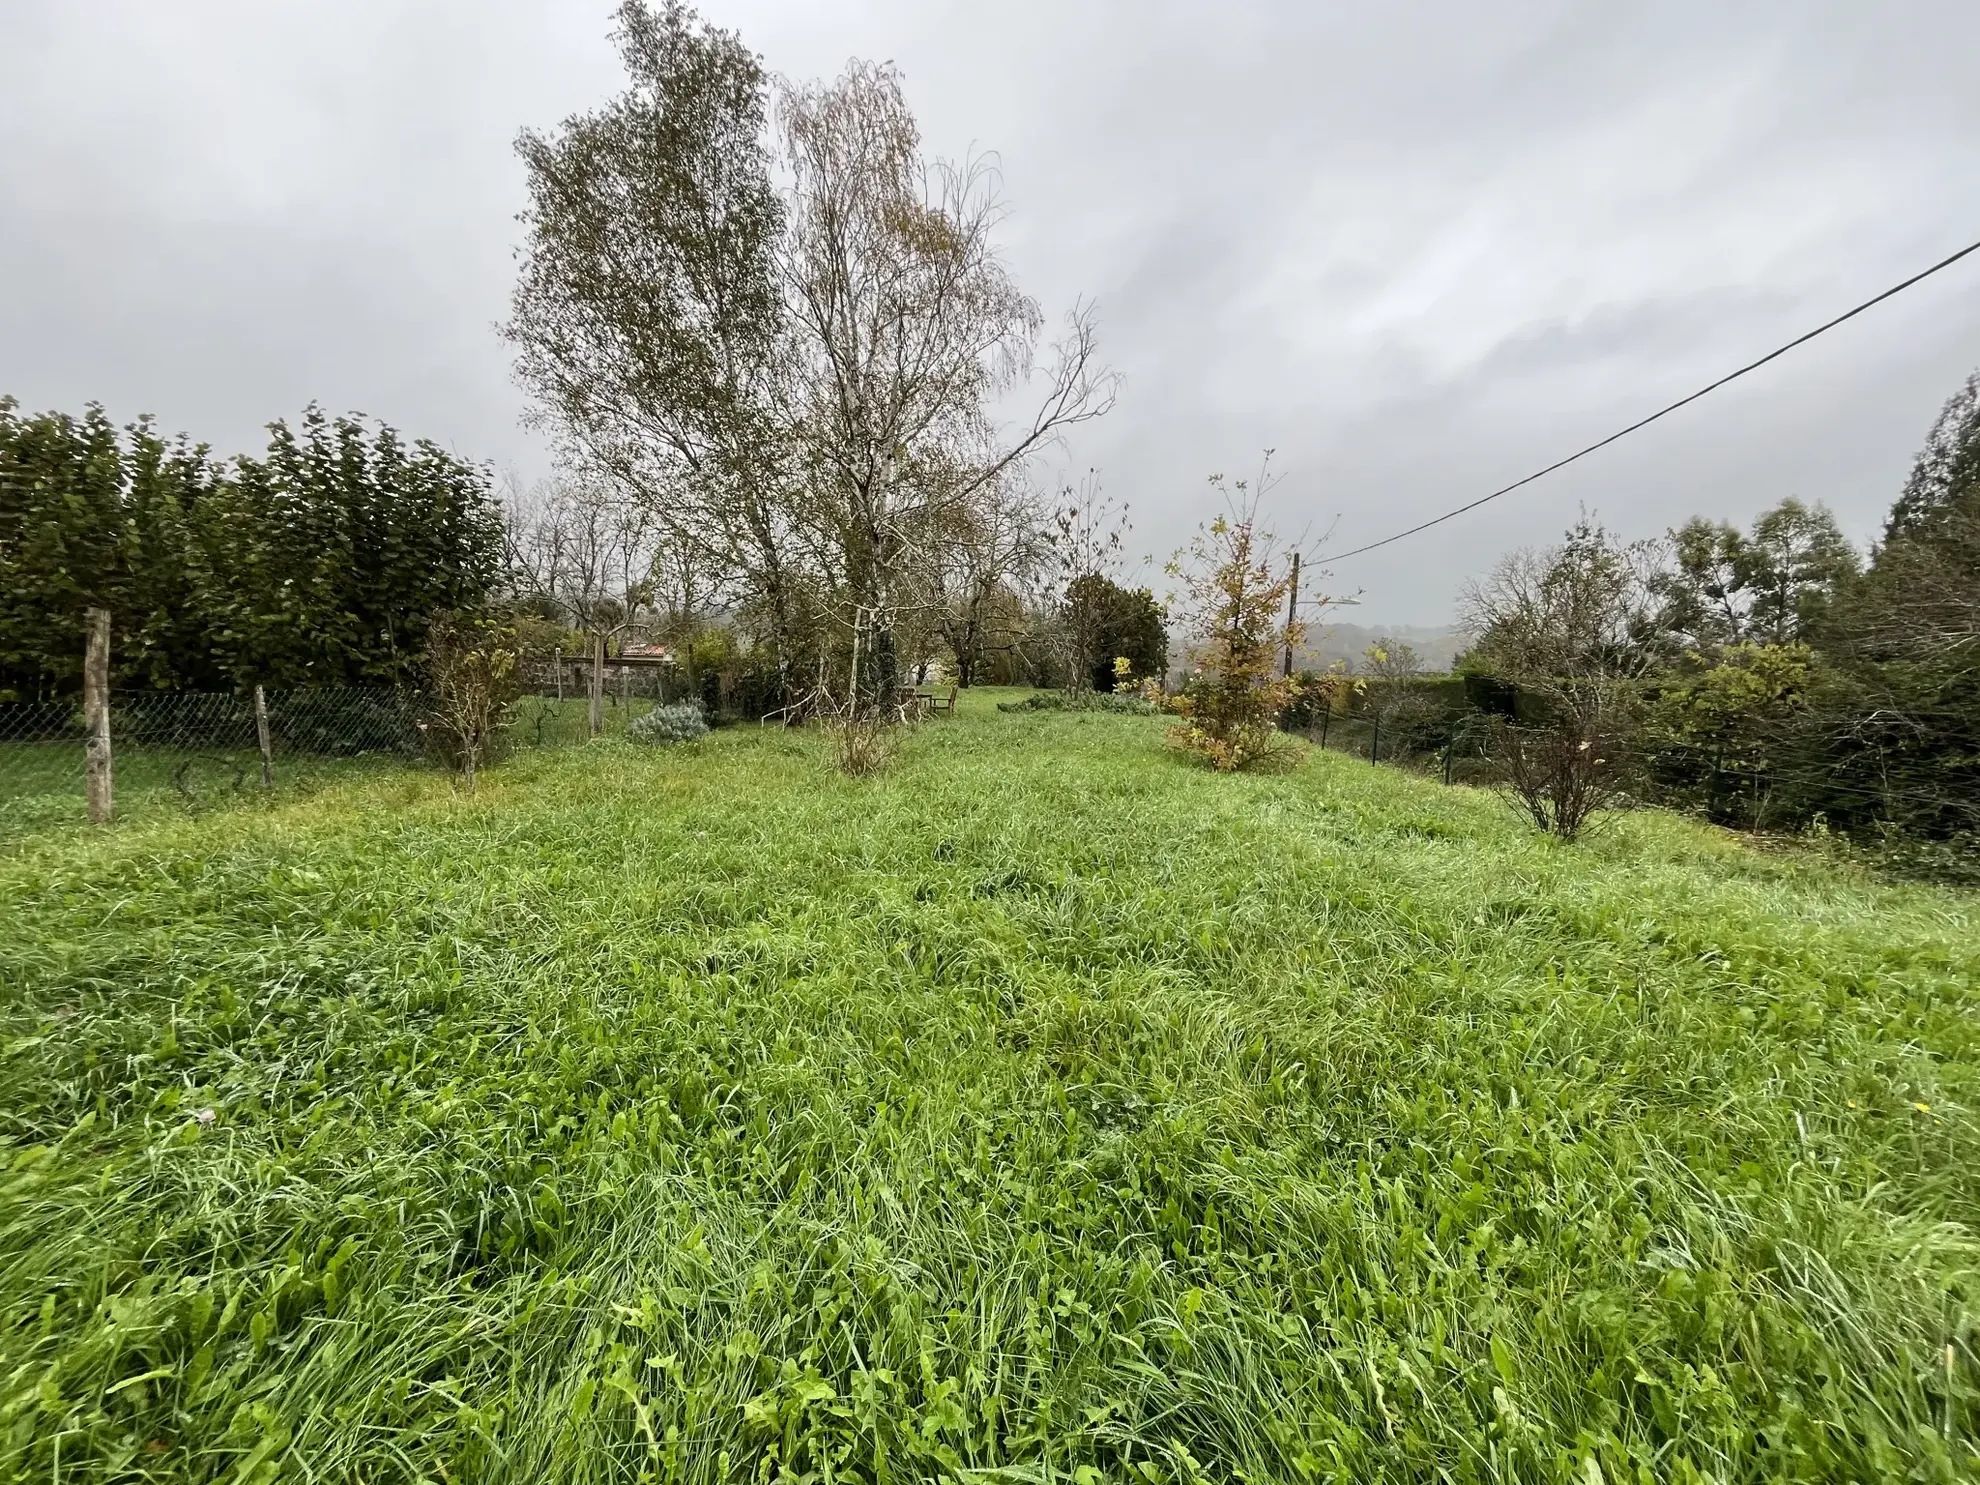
1418 248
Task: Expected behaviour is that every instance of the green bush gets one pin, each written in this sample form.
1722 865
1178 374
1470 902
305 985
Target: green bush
316 565
677 722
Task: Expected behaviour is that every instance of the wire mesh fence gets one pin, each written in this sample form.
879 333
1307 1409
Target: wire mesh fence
194 750
41 750
541 721
554 709
1863 790
626 682
1455 748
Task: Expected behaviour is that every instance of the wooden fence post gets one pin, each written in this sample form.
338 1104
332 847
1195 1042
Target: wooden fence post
98 777
262 739
1375 737
558 664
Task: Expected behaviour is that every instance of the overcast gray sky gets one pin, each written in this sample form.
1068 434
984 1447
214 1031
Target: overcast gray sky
1420 249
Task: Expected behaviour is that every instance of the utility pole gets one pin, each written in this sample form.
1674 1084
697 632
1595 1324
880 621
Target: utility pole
1292 613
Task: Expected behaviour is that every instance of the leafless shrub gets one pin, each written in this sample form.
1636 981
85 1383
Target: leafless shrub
471 684
1561 773
862 745
1566 627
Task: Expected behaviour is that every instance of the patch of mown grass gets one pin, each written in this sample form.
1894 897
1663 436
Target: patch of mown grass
1048 1107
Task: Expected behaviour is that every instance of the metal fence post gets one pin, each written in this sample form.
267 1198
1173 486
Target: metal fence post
1375 737
98 777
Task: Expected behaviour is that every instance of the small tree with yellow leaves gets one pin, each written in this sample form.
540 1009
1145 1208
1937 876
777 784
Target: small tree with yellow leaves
1233 603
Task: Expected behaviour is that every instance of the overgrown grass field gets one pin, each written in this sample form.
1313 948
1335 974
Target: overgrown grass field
1046 1109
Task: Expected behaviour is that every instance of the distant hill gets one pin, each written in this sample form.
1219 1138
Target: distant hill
1326 643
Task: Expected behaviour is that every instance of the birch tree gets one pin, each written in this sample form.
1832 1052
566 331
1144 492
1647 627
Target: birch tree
790 343
647 318
907 328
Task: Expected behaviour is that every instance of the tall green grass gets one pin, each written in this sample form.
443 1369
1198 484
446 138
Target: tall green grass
1046 1109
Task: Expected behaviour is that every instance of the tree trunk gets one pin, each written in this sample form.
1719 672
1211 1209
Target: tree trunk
762 532
852 700
966 645
886 670
597 684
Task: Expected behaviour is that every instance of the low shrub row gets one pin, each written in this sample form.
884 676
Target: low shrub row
1082 701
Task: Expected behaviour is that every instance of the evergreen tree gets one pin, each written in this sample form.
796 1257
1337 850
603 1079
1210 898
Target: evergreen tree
1123 623
319 563
1792 566
61 542
1947 472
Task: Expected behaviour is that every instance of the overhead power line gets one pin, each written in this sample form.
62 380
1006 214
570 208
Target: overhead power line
1665 411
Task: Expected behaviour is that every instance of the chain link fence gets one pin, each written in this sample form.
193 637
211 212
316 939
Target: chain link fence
1920 820
555 709
41 759
639 682
189 751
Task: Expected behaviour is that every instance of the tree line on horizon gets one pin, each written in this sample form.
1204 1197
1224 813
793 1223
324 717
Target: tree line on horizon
324 560
1770 678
